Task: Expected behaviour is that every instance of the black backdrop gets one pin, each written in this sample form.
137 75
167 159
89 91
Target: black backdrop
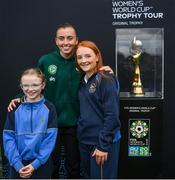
27 30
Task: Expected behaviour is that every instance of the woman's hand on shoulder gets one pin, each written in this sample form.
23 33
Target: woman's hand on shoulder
107 69
13 103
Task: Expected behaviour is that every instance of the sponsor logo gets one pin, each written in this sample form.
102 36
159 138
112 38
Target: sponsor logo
133 151
52 79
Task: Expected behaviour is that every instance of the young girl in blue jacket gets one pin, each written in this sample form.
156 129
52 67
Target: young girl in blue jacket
30 130
98 125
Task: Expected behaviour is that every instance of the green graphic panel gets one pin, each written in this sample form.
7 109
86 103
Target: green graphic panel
139 137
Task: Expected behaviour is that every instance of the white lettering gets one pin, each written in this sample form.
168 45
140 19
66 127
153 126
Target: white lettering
153 15
127 15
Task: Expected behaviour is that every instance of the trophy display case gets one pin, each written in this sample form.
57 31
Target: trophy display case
140 62
140 70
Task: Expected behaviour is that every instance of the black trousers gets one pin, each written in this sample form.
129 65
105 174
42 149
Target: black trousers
43 172
67 137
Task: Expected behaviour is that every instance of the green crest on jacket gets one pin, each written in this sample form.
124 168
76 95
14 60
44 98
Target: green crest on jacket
52 69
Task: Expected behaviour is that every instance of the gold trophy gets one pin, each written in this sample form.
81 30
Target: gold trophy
136 51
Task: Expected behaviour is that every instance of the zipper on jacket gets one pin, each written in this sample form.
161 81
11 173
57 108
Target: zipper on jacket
31 117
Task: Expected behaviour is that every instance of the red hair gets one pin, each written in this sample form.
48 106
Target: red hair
94 48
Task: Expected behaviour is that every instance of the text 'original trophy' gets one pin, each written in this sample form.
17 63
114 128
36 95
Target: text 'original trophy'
136 51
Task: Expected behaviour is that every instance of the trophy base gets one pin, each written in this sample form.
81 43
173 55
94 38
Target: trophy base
137 94
137 91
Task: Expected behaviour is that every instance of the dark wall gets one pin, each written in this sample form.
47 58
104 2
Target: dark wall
169 102
27 30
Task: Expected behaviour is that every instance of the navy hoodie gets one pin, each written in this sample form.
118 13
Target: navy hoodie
99 122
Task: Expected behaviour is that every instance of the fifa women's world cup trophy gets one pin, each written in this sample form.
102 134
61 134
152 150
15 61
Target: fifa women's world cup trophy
136 51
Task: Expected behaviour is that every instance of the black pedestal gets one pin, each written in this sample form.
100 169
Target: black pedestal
140 153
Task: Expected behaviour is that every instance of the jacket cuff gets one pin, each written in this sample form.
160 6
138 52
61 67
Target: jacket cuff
101 149
36 164
18 165
117 136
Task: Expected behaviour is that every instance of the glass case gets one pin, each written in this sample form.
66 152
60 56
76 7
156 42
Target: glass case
140 62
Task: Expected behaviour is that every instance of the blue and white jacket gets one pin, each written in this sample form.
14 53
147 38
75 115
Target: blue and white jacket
99 122
30 133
